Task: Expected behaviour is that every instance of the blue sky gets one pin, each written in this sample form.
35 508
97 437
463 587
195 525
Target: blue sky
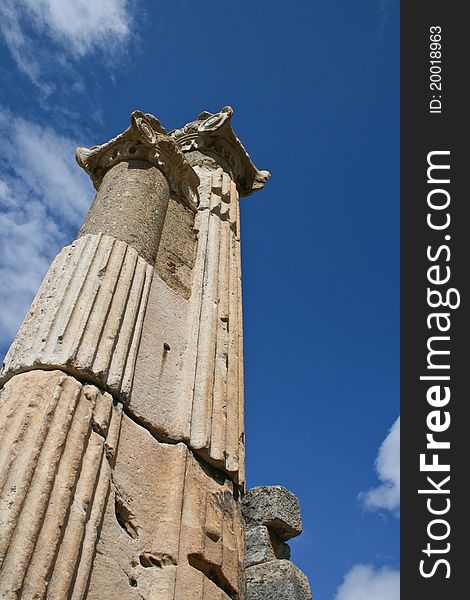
315 89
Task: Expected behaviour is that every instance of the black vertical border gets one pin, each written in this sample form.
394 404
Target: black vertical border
422 132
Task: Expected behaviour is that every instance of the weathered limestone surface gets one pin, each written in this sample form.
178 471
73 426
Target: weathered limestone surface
87 315
54 482
214 381
262 545
177 249
272 514
188 378
131 205
276 507
172 527
277 580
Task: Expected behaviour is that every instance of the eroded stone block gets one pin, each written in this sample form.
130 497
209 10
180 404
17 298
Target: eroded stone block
261 545
275 507
277 580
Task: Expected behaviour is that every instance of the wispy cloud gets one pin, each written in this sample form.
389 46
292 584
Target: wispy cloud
387 494
363 582
73 28
43 198
82 26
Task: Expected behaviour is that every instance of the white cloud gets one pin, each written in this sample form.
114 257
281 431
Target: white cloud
80 25
363 582
74 29
387 465
43 198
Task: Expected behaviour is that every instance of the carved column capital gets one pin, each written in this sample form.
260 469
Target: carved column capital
145 139
212 134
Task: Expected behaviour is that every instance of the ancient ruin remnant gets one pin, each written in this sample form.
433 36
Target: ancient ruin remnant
272 516
122 456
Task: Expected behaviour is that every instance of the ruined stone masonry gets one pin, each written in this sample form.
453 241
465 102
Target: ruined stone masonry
272 516
122 446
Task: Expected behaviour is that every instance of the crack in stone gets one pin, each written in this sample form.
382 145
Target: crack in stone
125 517
214 573
210 469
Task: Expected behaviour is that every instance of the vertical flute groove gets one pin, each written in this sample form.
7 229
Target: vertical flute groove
36 486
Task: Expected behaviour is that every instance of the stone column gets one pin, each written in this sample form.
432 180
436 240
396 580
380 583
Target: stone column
121 411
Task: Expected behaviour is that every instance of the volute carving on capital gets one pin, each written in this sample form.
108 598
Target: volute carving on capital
146 139
213 133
